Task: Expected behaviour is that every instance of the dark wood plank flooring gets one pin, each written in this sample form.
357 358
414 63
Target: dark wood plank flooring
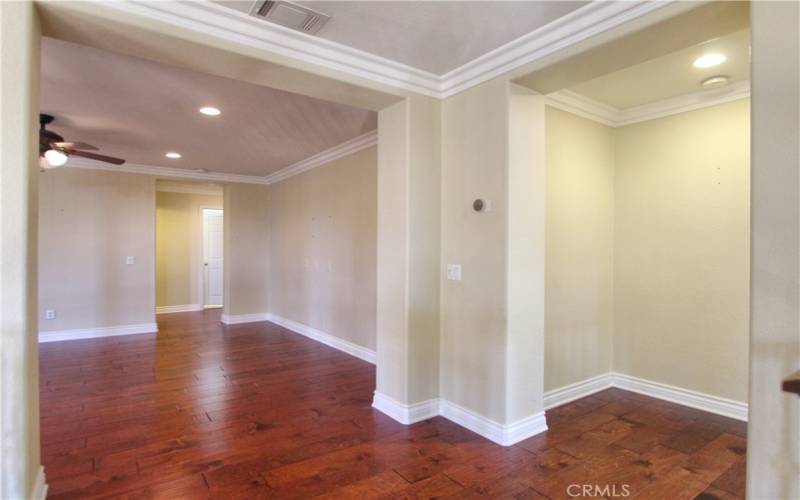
255 411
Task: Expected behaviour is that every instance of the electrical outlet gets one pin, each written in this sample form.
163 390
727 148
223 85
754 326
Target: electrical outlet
130 260
50 314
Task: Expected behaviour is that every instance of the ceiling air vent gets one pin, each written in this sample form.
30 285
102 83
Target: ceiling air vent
289 15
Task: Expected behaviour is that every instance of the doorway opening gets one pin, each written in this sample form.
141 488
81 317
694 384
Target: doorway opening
189 246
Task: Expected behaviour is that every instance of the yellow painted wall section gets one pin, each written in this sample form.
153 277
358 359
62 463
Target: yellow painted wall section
682 250
579 271
179 246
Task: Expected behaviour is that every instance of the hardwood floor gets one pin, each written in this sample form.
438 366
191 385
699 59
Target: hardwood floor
255 411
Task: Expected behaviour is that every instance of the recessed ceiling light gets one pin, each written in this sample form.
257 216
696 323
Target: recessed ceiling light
173 155
715 81
201 170
210 111
709 60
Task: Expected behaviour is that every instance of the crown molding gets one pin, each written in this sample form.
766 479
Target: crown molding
164 172
580 105
586 107
684 103
211 19
580 24
215 20
339 151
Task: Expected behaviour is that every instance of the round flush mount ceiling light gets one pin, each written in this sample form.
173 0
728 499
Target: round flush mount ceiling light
173 155
709 60
210 111
715 82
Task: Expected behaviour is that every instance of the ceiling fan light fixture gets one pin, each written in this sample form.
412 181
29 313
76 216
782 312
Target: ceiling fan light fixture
210 111
55 158
173 155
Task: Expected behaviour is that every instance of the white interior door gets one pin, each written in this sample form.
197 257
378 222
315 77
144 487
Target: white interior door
212 257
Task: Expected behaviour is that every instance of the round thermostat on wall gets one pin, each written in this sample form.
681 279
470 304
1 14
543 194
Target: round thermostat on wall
481 205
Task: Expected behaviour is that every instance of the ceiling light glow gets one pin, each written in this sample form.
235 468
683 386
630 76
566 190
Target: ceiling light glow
709 60
173 155
210 111
55 158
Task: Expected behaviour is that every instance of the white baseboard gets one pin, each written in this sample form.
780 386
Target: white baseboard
403 413
93 333
578 390
509 434
686 397
502 434
39 491
505 435
356 350
236 319
179 309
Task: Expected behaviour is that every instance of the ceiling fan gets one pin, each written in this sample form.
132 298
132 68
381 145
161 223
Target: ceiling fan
54 152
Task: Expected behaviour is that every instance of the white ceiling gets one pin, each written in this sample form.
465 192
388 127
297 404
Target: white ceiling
435 36
138 110
671 75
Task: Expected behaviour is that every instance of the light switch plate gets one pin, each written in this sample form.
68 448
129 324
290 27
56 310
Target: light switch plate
130 260
454 272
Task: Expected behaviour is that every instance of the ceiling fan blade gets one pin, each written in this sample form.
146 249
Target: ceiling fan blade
95 156
74 145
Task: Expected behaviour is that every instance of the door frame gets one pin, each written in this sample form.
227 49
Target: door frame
201 263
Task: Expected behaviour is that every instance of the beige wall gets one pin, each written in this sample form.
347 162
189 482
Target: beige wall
773 433
579 268
424 229
392 249
322 254
408 243
473 321
682 230
19 375
525 240
179 234
246 249
89 222
647 250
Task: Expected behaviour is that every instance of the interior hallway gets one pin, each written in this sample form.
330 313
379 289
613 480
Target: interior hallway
203 410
